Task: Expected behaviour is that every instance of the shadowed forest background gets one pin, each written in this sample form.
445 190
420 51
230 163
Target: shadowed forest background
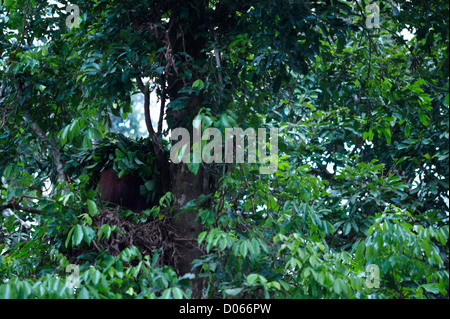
357 208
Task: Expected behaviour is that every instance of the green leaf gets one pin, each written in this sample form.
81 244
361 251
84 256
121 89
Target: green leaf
87 142
338 286
370 252
284 284
198 84
69 236
244 248
201 237
95 276
94 133
359 255
274 284
92 207
431 288
251 279
106 230
177 104
86 219
426 247
88 234
226 121
177 293
25 289
9 4
365 135
5 291
64 134
347 228
293 263
424 119
65 49
166 294
77 235
74 128
233 291
193 167
387 134
83 293
370 134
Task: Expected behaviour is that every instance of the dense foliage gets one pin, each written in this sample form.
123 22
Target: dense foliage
359 204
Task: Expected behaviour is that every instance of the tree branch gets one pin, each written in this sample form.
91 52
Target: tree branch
158 148
54 148
162 106
15 205
148 119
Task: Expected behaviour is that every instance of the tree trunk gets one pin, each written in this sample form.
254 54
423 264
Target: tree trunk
186 35
187 186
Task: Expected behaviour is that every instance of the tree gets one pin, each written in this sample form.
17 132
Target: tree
362 168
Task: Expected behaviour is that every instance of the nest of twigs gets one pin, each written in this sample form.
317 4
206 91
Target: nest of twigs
151 237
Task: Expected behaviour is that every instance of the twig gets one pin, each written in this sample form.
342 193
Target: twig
34 197
15 205
163 105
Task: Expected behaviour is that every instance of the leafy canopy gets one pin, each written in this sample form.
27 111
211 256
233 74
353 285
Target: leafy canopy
362 114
